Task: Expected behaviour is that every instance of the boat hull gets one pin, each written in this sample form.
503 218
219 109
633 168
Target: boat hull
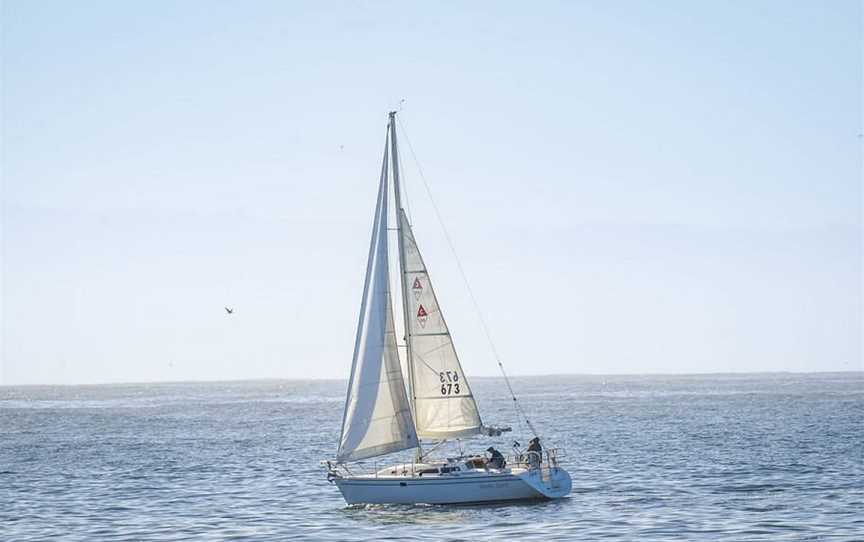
496 487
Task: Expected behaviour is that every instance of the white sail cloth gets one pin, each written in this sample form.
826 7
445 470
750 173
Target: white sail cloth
443 404
377 418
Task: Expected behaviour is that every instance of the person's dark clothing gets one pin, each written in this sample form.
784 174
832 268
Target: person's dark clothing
535 459
497 460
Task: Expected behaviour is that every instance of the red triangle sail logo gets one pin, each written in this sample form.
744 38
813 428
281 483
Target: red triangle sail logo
422 316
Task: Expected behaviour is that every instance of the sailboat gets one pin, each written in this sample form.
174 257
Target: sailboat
380 417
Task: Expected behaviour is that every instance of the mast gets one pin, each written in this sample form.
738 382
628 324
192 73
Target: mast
409 362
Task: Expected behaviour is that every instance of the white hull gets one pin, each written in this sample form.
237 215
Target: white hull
505 485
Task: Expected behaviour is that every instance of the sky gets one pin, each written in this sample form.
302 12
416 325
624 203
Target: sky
631 187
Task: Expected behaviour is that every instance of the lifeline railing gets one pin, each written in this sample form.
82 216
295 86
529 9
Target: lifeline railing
532 458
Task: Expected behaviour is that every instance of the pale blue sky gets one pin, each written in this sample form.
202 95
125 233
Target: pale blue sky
633 187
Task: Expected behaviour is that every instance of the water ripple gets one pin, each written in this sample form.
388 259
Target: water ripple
764 457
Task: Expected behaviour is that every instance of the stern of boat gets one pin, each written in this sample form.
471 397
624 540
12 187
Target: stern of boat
551 482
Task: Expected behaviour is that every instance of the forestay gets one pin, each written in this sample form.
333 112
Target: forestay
377 418
443 404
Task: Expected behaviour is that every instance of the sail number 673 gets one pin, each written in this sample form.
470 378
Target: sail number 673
449 382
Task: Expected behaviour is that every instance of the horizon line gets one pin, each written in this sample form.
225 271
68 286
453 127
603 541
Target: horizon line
330 379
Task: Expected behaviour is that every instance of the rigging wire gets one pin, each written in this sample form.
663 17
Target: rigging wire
520 412
404 187
402 175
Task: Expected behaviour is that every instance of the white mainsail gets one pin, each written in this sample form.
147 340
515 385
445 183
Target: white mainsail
377 418
443 404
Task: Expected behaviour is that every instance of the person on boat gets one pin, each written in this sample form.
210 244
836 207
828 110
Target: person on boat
534 459
497 460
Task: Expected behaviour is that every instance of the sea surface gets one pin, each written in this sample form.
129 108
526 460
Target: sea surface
736 457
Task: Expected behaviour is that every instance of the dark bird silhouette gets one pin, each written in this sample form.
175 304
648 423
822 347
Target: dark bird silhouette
229 311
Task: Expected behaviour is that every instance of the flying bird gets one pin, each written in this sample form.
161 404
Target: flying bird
229 311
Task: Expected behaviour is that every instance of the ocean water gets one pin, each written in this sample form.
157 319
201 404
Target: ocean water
745 457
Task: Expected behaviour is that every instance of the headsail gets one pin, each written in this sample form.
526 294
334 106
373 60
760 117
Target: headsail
377 418
443 404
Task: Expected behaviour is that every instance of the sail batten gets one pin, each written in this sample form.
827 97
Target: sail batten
377 418
444 405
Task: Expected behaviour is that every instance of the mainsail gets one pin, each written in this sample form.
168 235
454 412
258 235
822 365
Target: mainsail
443 404
377 418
